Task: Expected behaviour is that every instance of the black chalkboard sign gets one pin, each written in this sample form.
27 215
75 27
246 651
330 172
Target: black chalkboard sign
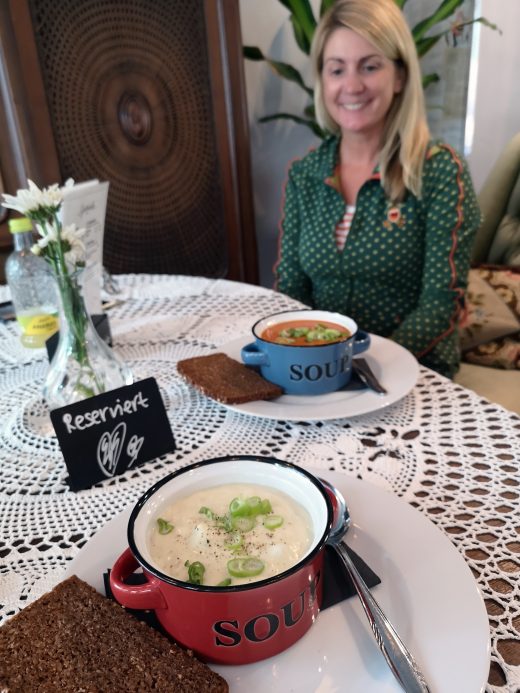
106 435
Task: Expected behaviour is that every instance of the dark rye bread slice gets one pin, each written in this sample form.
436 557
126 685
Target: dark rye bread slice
74 639
222 378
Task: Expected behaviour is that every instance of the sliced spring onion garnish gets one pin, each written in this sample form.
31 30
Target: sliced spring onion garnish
225 582
236 541
273 521
318 332
164 526
207 512
224 522
243 524
239 508
324 334
245 567
249 507
196 572
254 504
295 332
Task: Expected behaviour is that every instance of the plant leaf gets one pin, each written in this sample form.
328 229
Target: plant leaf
290 73
423 45
400 3
489 24
429 79
484 21
310 112
445 9
300 36
325 5
302 15
282 69
252 53
297 119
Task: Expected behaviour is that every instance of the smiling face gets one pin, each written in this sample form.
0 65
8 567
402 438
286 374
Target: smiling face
359 83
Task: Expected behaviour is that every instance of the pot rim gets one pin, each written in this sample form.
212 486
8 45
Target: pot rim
303 346
149 568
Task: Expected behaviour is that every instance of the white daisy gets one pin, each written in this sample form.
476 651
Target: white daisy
31 200
48 233
25 201
73 245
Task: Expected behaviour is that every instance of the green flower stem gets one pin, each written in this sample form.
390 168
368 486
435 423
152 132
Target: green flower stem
75 315
73 309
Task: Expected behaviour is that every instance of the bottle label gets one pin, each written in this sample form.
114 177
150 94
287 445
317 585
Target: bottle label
42 324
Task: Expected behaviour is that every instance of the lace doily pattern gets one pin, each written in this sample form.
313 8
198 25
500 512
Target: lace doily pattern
452 455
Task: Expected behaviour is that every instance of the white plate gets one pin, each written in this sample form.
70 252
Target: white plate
427 591
395 367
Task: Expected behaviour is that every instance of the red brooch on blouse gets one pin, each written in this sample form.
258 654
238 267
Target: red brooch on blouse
394 216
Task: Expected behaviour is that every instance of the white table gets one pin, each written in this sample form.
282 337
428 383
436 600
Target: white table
441 448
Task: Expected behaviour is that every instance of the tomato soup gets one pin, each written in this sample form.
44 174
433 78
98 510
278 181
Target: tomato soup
305 333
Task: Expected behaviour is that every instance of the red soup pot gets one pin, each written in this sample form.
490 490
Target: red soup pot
229 625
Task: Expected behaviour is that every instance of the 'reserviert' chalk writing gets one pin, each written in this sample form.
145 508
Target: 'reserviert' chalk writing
91 418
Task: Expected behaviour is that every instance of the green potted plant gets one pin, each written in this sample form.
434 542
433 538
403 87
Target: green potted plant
304 24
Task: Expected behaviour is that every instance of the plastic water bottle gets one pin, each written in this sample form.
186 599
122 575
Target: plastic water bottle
33 289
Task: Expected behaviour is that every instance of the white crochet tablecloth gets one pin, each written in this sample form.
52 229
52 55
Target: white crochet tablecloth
443 449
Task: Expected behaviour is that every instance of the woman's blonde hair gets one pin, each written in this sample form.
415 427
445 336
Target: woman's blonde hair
406 134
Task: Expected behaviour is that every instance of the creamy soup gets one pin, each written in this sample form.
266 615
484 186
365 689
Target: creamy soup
305 333
230 535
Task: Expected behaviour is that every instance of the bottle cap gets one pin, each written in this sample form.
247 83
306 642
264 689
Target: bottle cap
20 225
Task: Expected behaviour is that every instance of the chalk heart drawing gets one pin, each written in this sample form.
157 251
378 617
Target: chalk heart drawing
111 445
109 449
133 448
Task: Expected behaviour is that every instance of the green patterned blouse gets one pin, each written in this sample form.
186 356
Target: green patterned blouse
403 271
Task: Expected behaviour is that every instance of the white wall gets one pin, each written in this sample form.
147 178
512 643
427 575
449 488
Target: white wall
265 24
497 104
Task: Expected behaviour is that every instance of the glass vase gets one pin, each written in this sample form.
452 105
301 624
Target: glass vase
83 365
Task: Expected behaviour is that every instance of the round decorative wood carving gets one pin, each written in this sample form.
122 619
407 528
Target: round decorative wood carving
129 95
135 117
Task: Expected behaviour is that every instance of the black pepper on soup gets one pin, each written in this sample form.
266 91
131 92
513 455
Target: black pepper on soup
229 535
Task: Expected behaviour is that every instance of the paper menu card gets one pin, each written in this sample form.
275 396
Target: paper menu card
84 204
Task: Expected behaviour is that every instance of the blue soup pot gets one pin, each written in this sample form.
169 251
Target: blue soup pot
305 370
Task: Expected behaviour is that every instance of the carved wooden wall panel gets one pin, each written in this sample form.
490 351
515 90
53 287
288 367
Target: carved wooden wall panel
148 94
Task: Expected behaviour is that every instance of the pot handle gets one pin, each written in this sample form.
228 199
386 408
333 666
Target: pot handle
145 596
253 356
361 342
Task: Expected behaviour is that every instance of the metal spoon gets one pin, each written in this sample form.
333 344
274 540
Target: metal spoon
399 659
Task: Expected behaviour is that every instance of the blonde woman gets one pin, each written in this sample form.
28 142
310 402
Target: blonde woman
379 220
